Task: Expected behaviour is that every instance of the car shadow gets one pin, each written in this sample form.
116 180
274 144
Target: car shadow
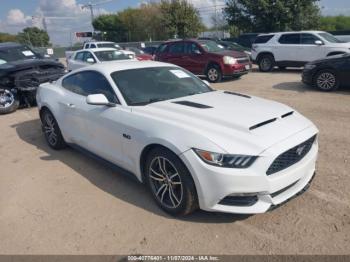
302 88
106 179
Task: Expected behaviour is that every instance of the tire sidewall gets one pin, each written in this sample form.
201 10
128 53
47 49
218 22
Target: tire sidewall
189 200
317 75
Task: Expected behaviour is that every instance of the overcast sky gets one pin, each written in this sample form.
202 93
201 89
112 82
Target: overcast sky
17 14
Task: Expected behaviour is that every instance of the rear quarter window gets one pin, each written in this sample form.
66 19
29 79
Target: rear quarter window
263 39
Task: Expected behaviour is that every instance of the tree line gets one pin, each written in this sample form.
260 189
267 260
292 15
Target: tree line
179 18
153 21
31 36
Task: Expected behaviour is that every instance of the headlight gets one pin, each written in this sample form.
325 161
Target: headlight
229 60
225 160
309 66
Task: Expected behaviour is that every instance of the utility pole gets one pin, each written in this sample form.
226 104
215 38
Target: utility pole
91 7
216 20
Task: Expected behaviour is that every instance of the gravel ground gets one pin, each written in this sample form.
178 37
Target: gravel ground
66 203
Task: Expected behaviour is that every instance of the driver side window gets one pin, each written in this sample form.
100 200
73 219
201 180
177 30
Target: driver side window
192 48
309 39
89 83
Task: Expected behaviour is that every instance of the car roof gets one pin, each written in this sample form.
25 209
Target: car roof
112 66
9 44
99 42
97 49
292 32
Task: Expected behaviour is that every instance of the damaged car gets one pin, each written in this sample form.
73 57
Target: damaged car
22 70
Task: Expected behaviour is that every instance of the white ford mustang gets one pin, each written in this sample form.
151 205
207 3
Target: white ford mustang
191 145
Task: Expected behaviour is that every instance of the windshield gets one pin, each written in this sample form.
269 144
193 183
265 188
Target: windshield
211 46
109 45
147 85
330 38
10 54
111 55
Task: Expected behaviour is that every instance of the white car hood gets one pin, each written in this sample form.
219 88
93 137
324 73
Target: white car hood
231 120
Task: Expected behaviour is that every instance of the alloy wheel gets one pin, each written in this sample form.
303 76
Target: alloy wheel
265 64
165 182
326 81
213 74
49 129
6 99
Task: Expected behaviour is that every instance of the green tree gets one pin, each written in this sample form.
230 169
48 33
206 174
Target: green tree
34 36
272 15
335 23
112 26
5 37
180 18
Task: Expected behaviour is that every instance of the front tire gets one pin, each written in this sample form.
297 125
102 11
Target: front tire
214 74
8 102
52 131
326 80
170 182
266 63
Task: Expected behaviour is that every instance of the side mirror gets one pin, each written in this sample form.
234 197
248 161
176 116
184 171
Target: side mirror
98 100
90 60
197 52
318 42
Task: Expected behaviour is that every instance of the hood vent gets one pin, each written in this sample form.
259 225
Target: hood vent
192 104
288 114
262 124
236 94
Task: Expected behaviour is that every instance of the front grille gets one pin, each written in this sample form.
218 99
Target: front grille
243 60
291 157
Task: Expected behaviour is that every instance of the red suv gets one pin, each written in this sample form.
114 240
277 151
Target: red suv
203 57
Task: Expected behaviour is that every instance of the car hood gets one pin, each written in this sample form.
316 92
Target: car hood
330 58
235 54
27 64
229 119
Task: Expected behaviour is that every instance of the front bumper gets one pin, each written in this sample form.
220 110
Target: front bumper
307 77
236 69
214 184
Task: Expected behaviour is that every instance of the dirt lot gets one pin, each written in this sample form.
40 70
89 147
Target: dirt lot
66 203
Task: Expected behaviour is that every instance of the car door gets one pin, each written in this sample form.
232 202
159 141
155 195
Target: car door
102 130
77 61
309 50
195 59
176 54
288 49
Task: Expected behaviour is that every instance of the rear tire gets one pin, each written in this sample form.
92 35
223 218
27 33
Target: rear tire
52 131
326 80
170 182
214 74
8 102
266 63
